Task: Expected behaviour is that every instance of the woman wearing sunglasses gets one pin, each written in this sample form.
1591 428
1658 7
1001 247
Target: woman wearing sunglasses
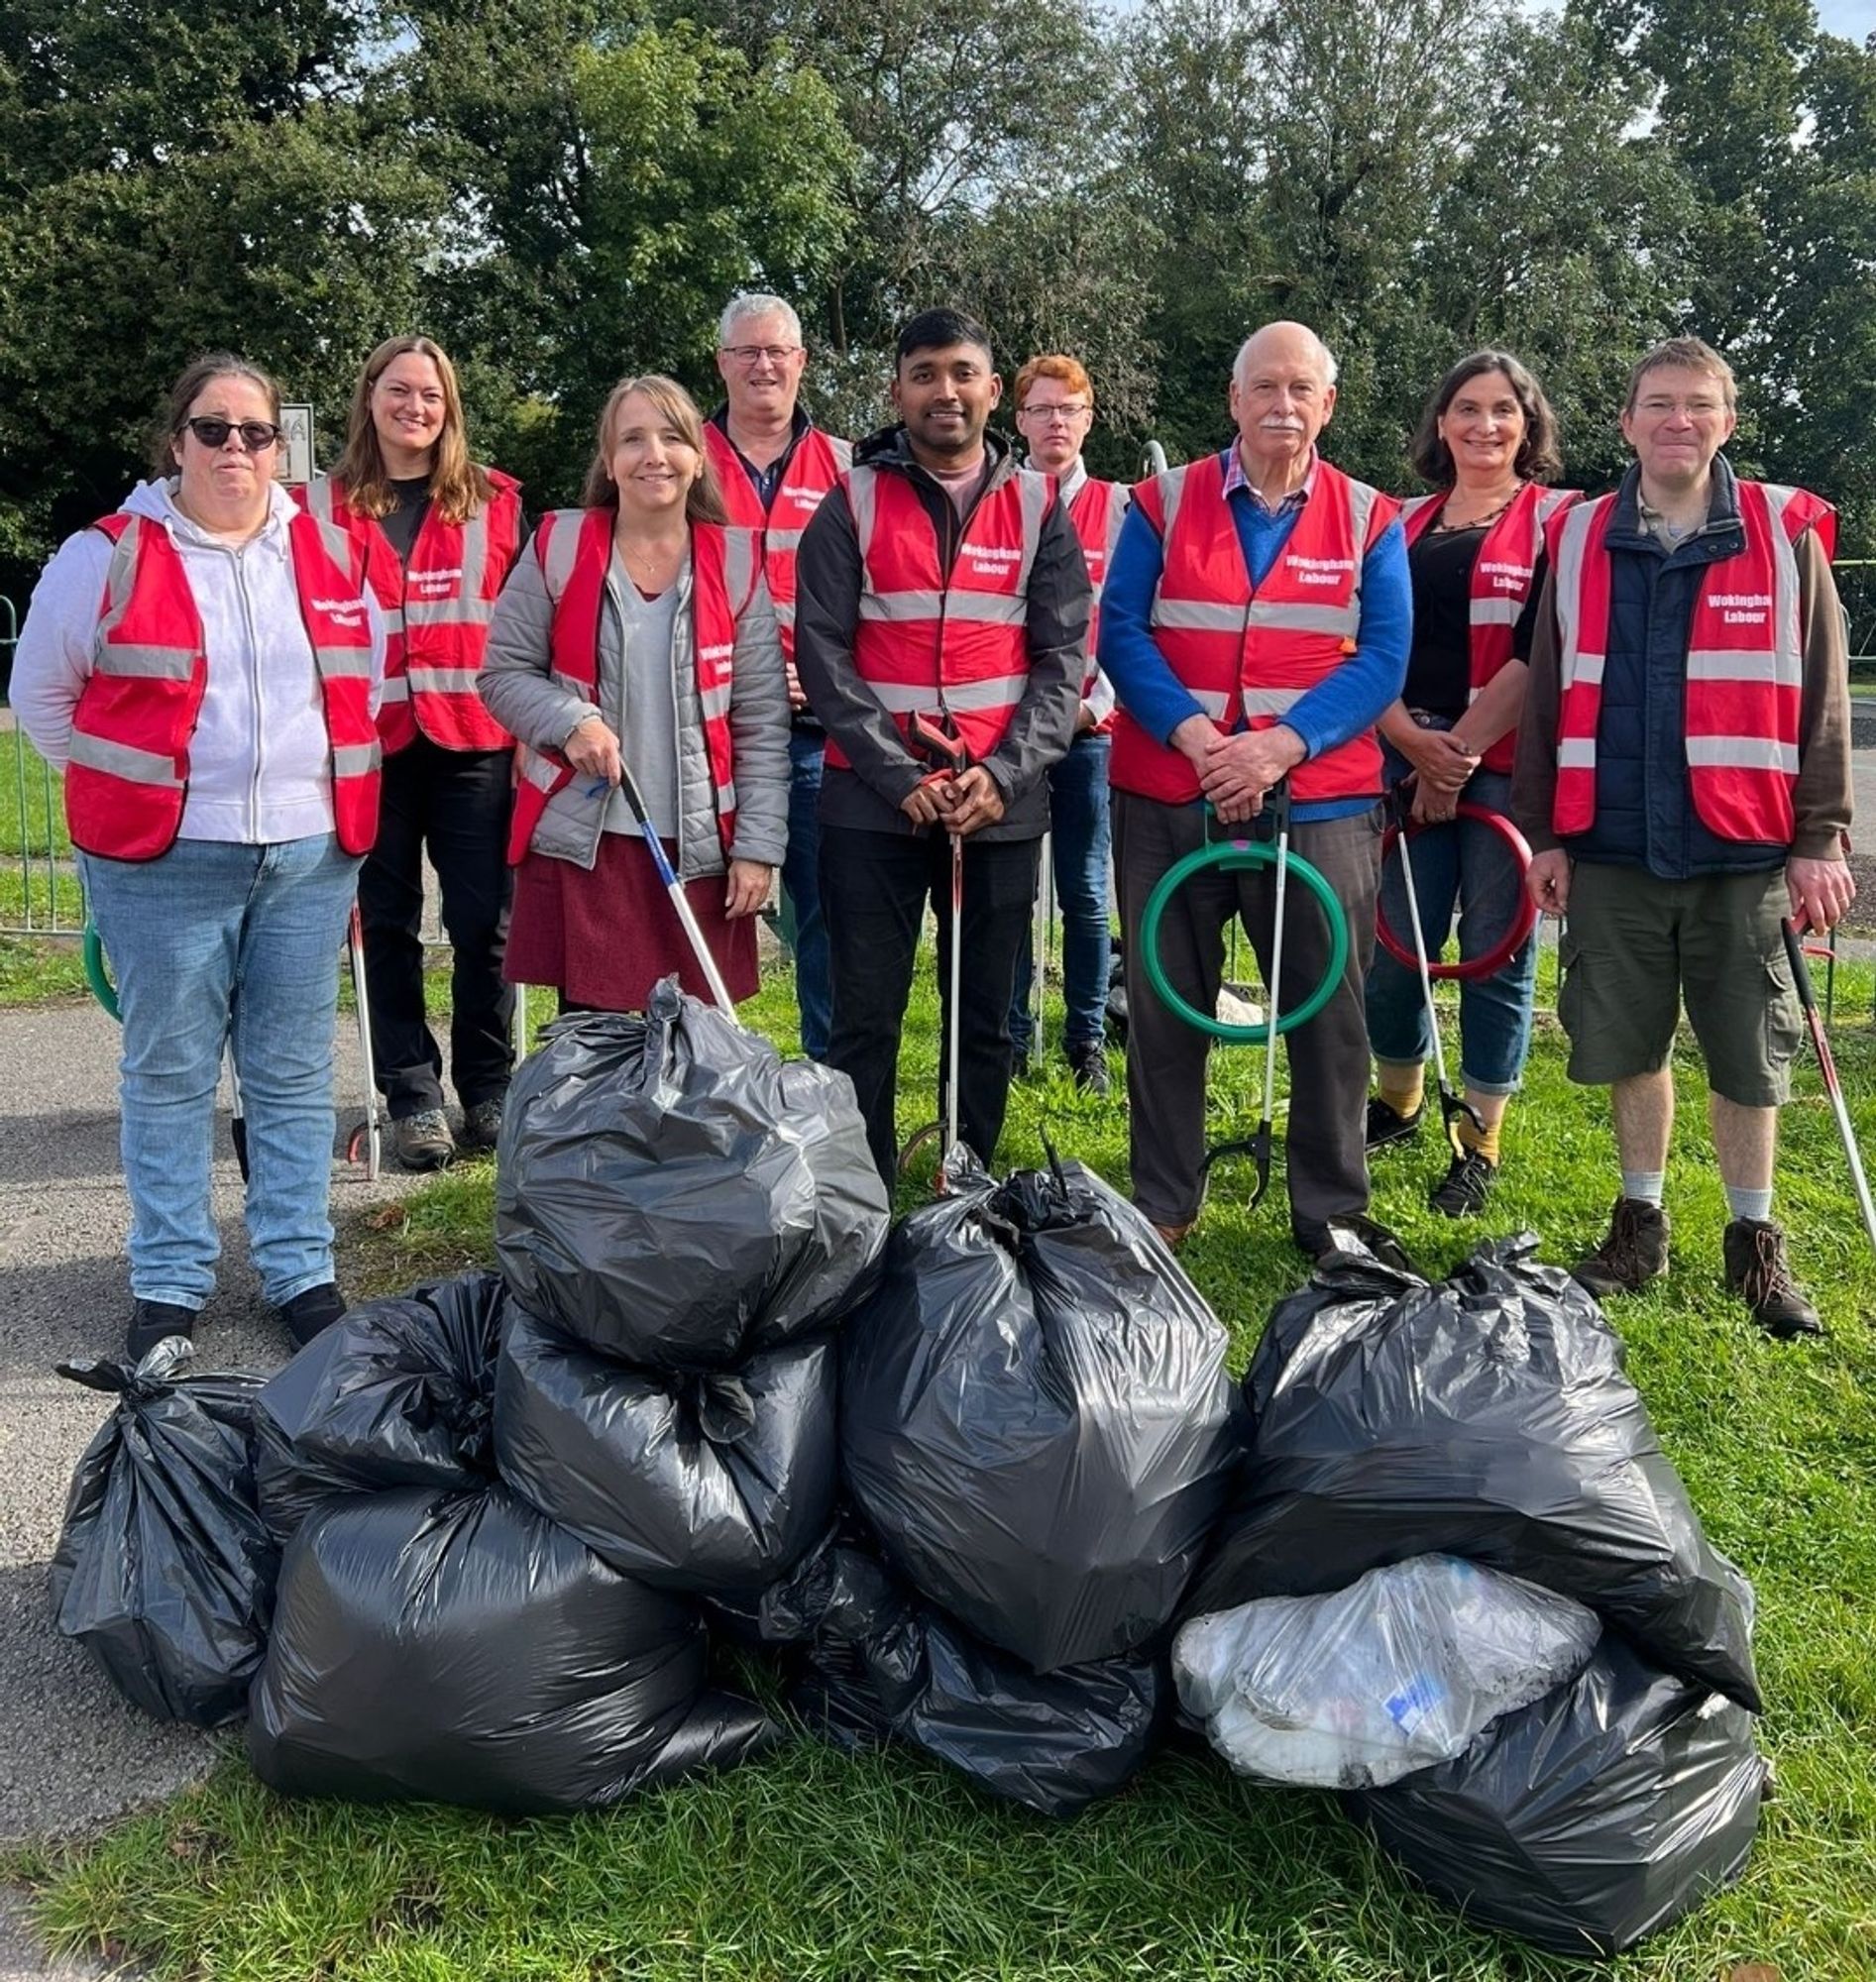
440 533
203 665
637 636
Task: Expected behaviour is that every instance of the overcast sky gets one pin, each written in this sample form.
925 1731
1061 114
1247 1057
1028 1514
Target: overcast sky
1854 18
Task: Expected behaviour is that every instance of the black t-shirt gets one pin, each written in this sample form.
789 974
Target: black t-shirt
1439 663
409 504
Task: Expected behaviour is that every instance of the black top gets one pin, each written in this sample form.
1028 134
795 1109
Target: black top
409 504
1439 663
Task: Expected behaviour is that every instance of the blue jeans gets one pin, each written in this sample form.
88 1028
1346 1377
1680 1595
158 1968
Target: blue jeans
1079 835
1469 864
806 933
215 940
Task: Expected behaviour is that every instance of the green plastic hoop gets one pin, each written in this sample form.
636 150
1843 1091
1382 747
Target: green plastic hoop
96 975
1232 856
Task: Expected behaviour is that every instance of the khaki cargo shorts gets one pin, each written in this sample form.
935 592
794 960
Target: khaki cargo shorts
1636 946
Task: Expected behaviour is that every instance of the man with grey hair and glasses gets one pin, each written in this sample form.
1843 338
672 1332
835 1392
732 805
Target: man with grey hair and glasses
775 466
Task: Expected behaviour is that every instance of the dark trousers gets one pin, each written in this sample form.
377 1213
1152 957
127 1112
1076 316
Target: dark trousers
457 804
806 934
1324 1158
873 890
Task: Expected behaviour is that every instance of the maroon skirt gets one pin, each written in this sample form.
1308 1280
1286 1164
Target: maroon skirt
604 938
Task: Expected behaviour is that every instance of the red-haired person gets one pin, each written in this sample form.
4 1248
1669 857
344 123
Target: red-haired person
1054 409
440 532
638 633
203 665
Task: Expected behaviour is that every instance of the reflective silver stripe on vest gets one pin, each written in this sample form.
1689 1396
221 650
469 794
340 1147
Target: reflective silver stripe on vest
1500 609
784 612
394 617
463 612
123 760
1196 615
1576 753
1572 544
1221 703
1171 487
1412 506
443 681
558 548
142 660
1363 496
535 768
1033 493
1721 664
464 604
319 499
343 550
1589 669
396 689
782 540
726 799
993 692
353 760
862 496
1743 753
144 663
714 702
342 662
1339 622
740 565
993 609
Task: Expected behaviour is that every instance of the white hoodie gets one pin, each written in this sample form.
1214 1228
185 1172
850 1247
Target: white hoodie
260 761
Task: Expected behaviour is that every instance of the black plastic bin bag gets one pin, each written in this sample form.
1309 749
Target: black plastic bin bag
1034 1415
165 1569
462 1648
396 1394
1602 1814
714 1483
875 1668
669 1191
1485 1417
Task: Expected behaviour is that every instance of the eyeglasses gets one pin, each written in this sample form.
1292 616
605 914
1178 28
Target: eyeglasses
1052 415
753 353
255 435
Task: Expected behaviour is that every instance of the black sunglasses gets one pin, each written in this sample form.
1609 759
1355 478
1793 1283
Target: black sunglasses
255 434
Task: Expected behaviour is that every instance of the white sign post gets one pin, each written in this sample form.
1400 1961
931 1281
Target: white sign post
297 456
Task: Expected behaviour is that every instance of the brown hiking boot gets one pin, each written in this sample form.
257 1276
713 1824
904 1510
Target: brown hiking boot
1635 1252
1760 1275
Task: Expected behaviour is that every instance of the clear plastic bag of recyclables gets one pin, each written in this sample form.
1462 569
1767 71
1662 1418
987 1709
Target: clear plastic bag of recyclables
165 1569
714 1483
396 1394
875 1667
461 1647
669 1191
1485 1417
1034 1415
1597 1815
1366 1685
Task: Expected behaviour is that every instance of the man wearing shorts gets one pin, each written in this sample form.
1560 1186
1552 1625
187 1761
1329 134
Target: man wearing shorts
1684 778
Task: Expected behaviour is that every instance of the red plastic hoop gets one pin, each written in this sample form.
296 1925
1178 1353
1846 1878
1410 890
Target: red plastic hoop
1494 959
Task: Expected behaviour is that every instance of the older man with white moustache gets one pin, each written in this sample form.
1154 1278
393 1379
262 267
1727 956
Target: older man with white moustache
1256 622
775 466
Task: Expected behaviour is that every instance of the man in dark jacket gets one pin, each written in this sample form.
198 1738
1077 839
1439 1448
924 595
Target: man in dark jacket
937 588
1684 778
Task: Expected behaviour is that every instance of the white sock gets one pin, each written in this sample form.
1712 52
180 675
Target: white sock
1749 1203
1644 1186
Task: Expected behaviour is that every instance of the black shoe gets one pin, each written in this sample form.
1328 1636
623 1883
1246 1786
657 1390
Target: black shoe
1462 1193
152 1322
310 1311
1759 1274
482 1124
1319 1241
1089 1064
423 1140
1634 1251
1386 1126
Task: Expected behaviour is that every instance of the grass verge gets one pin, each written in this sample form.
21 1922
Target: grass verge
812 1865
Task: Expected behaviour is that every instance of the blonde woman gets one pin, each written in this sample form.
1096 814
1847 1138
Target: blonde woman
440 533
638 633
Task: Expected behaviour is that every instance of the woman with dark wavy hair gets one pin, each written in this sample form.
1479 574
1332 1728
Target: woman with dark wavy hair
440 533
1487 442
638 634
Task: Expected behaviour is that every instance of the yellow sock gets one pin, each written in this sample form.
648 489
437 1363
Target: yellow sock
1401 1087
1481 1141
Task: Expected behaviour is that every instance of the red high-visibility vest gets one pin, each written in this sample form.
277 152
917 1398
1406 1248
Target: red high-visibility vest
816 463
1247 652
930 641
436 610
1744 664
1097 510
1501 584
575 550
128 773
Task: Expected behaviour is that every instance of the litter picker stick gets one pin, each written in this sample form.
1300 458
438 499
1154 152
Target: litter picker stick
1278 801
674 888
1451 1106
360 997
1820 1044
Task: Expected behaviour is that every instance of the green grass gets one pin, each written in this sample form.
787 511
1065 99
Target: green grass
812 1865
37 973
32 800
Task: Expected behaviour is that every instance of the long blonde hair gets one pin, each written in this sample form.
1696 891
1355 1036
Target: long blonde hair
704 501
458 486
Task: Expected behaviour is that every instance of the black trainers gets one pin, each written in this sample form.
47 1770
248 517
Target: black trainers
1462 1193
1089 1064
152 1322
482 1124
1386 1126
1318 1241
423 1140
1759 1274
1635 1252
310 1311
